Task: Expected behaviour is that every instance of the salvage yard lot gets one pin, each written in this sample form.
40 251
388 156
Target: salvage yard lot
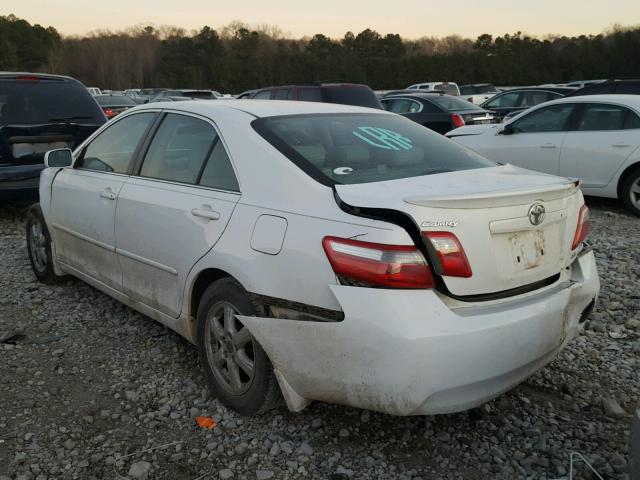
93 381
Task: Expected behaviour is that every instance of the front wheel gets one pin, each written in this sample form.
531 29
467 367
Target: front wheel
238 370
39 247
630 192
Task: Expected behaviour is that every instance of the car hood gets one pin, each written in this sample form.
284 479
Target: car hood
475 129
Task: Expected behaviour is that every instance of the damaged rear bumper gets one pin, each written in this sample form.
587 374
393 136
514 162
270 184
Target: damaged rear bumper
406 352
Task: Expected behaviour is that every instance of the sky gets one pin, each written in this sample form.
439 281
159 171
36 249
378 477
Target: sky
297 18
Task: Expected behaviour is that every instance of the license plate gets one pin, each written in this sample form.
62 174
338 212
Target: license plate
25 149
528 249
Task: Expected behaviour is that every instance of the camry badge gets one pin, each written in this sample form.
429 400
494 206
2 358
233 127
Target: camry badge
442 223
536 213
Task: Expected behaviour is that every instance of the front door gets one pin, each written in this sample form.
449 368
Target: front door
84 199
535 140
174 211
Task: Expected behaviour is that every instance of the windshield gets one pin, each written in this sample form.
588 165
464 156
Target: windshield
452 104
363 148
46 101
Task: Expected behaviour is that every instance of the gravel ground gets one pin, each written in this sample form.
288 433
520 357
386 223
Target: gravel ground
94 384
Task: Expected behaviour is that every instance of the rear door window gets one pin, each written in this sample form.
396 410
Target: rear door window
179 149
362 148
547 119
632 121
599 116
218 173
113 149
401 105
310 94
281 94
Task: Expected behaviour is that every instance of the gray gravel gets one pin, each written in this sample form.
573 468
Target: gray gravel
97 391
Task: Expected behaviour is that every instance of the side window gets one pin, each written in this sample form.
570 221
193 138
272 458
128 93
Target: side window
178 149
398 105
263 95
430 107
632 121
504 101
113 149
309 94
547 119
218 173
598 116
282 94
533 98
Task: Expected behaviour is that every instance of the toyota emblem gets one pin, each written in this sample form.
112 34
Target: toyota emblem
536 213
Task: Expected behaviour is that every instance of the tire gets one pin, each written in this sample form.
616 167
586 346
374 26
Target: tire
630 192
39 247
227 351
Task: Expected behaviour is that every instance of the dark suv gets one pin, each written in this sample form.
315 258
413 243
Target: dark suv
621 87
343 93
39 113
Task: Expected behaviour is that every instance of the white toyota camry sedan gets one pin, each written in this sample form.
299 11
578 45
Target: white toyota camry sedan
322 252
595 138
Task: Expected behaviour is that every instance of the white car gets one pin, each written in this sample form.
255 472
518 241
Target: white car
322 252
450 88
595 138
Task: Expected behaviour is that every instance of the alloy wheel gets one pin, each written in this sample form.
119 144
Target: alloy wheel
38 246
230 349
634 193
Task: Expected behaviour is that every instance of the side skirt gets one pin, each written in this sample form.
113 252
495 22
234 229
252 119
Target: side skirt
179 325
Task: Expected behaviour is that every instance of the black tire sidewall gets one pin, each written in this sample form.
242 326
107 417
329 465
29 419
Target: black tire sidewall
48 275
251 401
625 191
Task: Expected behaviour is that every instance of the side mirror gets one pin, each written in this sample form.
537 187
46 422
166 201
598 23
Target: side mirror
507 130
61 157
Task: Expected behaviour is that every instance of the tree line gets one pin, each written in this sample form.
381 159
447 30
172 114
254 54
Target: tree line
238 57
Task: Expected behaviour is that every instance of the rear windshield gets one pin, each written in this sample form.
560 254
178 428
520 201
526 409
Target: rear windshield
452 104
45 101
351 95
363 148
448 88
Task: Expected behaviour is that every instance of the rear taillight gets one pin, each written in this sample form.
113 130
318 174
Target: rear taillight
582 229
453 260
457 120
108 112
373 264
27 78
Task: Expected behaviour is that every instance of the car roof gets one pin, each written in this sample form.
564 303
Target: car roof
44 76
260 108
622 99
547 89
419 95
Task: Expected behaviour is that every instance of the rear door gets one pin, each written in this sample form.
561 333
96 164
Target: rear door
536 139
84 199
604 137
174 211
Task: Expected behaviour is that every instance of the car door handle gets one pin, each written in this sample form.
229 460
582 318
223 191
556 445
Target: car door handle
548 145
205 212
108 194
620 145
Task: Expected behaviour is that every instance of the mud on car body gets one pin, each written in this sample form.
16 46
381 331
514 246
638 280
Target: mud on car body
322 252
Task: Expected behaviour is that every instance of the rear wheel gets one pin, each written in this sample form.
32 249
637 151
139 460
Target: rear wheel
39 247
630 192
238 370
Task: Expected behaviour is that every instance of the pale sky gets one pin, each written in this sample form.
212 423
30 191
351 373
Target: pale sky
297 18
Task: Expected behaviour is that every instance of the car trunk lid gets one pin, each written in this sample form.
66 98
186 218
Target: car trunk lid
489 210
